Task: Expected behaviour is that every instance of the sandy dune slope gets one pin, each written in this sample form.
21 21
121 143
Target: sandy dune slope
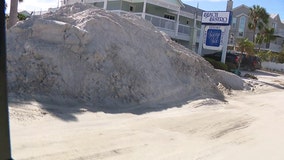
249 125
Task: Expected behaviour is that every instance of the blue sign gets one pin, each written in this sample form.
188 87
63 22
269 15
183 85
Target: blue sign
213 37
215 31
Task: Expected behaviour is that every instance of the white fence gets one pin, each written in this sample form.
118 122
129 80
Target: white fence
38 13
273 66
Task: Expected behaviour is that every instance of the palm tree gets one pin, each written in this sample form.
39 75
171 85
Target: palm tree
13 13
244 45
265 36
258 19
268 35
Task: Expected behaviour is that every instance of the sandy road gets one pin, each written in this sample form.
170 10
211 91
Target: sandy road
248 126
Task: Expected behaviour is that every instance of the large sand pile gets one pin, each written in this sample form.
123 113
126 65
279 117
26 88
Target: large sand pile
99 57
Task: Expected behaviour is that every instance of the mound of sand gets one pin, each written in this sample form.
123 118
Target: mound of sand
105 59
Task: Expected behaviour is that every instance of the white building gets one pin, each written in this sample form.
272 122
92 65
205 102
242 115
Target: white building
182 22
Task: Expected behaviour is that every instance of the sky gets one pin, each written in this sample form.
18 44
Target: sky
36 5
271 6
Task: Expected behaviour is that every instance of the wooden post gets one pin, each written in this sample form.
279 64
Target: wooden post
5 146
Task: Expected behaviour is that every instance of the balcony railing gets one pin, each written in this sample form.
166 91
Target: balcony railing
119 12
162 23
183 32
184 29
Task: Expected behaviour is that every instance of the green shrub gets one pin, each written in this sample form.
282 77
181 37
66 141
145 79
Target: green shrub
265 55
281 57
21 17
231 66
217 64
270 56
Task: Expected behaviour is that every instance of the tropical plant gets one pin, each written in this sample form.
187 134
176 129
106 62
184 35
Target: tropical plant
13 13
258 19
265 36
281 57
271 56
268 35
21 17
264 55
244 45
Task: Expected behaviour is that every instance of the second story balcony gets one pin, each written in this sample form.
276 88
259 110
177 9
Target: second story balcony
279 33
164 15
174 30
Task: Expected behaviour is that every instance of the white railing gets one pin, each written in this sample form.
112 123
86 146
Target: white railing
166 25
184 29
158 22
184 32
120 12
161 22
38 13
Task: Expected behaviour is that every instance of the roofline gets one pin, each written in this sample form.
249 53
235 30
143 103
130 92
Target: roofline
241 6
282 21
242 14
181 3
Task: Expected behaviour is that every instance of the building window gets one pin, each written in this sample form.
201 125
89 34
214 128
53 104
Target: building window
234 23
169 16
274 25
242 25
131 8
189 22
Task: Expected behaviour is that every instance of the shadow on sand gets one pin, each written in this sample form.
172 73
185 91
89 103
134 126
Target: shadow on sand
267 73
66 109
261 73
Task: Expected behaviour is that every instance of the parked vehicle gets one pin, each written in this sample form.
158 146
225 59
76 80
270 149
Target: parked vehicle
250 63
231 57
245 61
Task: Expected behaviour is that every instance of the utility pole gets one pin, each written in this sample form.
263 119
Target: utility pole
5 146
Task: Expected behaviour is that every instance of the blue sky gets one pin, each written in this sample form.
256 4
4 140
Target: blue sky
271 6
